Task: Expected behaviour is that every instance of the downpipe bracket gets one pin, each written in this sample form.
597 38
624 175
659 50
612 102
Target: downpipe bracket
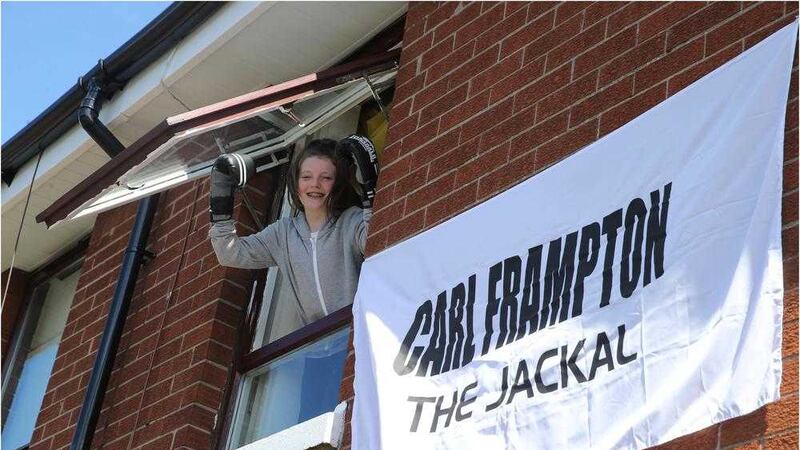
147 256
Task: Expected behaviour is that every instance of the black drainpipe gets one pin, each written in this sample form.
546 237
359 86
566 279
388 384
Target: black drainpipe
88 114
126 282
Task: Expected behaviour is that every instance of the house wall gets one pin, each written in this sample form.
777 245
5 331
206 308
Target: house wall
489 94
176 349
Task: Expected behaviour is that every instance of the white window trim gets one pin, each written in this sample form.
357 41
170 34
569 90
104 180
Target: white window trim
324 429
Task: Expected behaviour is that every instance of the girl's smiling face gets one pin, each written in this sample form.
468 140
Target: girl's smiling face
315 183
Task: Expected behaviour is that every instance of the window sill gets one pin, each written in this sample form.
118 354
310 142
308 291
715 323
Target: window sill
321 432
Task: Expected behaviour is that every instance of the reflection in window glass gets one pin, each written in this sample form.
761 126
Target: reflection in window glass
205 147
28 396
38 365
294 388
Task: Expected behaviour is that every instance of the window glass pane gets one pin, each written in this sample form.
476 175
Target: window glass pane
282 316
373 124
28 396
38 364
279 315
294 388
248 133
207 146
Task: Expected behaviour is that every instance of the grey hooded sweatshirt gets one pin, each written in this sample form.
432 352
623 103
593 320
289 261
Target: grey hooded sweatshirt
321 269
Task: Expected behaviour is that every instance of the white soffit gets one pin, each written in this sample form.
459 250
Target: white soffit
286 41
233 52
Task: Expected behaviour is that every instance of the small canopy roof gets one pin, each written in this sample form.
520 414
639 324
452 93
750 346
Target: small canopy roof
263 124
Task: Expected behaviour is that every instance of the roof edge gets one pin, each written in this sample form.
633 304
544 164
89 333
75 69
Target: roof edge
139 150
151 42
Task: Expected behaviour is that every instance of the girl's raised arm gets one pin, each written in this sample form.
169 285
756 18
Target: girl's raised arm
361 229
249 252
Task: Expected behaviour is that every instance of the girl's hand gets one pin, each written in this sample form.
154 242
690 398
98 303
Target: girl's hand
361 152
229 171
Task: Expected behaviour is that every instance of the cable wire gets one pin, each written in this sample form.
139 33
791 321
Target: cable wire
170 296
251 210
19 232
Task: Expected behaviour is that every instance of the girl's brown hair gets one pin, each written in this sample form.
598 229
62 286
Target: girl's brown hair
342 195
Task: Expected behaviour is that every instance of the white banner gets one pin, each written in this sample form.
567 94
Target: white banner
628 295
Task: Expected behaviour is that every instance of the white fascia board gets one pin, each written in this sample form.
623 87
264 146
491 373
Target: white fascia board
213 33
173 65
65 149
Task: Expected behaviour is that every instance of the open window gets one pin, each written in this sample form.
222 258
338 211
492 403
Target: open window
263 124
289 373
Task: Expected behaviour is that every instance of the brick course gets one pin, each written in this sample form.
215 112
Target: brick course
175 353
542 81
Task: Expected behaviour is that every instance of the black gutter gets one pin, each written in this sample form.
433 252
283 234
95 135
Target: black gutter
149 44
126 282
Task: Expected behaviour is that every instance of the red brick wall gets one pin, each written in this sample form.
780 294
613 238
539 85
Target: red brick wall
488 94
176 349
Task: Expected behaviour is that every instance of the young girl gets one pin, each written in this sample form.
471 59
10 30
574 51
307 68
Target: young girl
320 248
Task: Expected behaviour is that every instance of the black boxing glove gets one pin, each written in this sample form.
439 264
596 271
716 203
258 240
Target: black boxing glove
361 152
228 172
